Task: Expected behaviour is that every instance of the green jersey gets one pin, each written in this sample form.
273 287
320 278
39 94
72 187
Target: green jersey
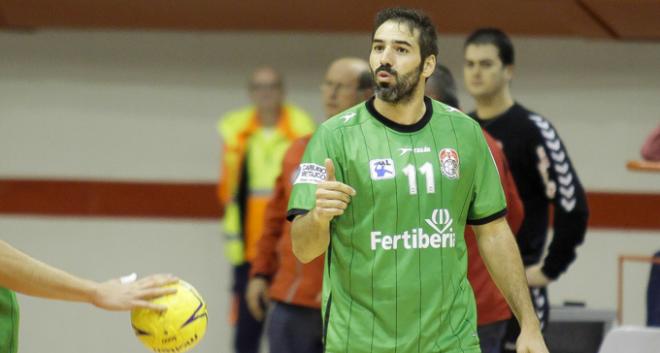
8 321
395 275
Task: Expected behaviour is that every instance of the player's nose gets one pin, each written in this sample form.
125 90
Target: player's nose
387 57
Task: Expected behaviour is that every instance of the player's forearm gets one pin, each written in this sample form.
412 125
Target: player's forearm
499 251
309 237
24 274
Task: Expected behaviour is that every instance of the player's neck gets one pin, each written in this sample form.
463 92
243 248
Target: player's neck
493 106
404 113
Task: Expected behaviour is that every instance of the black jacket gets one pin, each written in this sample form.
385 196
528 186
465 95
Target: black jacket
544 175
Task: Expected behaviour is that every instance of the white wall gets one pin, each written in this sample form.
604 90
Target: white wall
147 102
143 105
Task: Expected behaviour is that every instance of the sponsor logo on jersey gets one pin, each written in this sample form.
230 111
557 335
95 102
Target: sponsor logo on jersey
441 235
449 163
381 169
404 150
309 173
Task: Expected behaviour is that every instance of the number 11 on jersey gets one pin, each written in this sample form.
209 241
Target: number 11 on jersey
411 172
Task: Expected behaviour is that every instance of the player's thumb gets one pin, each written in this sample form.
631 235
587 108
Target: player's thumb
329 170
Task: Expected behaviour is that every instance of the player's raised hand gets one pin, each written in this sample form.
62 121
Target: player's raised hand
119 295
332 197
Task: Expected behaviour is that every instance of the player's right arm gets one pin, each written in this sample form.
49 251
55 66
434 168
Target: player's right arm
24 274
310 233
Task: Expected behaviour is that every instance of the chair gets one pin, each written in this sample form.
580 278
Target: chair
632 339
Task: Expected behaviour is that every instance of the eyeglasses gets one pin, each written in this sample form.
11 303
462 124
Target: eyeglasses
329 86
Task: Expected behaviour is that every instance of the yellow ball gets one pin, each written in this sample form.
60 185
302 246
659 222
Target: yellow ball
177 329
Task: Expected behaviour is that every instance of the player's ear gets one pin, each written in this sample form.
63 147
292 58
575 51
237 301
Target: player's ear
429 66
508 72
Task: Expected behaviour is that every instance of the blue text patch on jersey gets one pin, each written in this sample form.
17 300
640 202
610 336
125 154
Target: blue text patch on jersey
310 173
381 169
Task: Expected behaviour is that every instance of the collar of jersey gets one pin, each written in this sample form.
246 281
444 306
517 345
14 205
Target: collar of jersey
400 127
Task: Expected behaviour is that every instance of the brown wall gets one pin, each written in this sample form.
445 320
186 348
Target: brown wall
80 198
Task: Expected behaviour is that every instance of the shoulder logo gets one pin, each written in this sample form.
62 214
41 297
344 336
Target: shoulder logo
348 116
449 163
309 173
381 169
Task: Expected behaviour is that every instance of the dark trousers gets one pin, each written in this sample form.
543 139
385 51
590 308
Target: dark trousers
294 329
247 333
491 336
542 308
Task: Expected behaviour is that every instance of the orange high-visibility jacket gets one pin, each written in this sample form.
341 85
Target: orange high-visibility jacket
251 161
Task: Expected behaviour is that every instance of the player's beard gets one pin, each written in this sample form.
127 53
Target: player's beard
403 88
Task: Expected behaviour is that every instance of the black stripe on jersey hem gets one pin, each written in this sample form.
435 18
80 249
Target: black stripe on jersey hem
400 127
292 213
481 221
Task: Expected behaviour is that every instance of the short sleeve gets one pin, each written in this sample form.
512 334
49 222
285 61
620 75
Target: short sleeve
311 171
488 201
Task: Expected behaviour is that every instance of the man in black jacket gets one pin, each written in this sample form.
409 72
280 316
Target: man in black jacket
539 163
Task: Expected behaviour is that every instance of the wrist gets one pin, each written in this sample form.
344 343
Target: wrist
91 292
530 325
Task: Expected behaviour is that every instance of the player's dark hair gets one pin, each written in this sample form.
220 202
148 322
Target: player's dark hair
442 83
365 80
415 19
495 37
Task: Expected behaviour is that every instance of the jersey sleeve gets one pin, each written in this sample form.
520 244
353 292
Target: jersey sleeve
488 201
311 171
564 190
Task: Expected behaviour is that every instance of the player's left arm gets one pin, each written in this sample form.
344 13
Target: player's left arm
24 274
563 189
499 250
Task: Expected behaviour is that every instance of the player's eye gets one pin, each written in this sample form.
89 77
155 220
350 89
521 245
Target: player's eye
378 47
402 50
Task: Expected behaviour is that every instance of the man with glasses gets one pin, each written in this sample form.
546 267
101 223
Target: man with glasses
294 323
254 139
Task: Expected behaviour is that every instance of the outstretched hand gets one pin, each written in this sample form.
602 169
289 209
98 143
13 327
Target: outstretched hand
117 296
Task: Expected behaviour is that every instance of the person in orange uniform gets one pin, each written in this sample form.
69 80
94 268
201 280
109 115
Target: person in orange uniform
255 140
294 323
492 310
